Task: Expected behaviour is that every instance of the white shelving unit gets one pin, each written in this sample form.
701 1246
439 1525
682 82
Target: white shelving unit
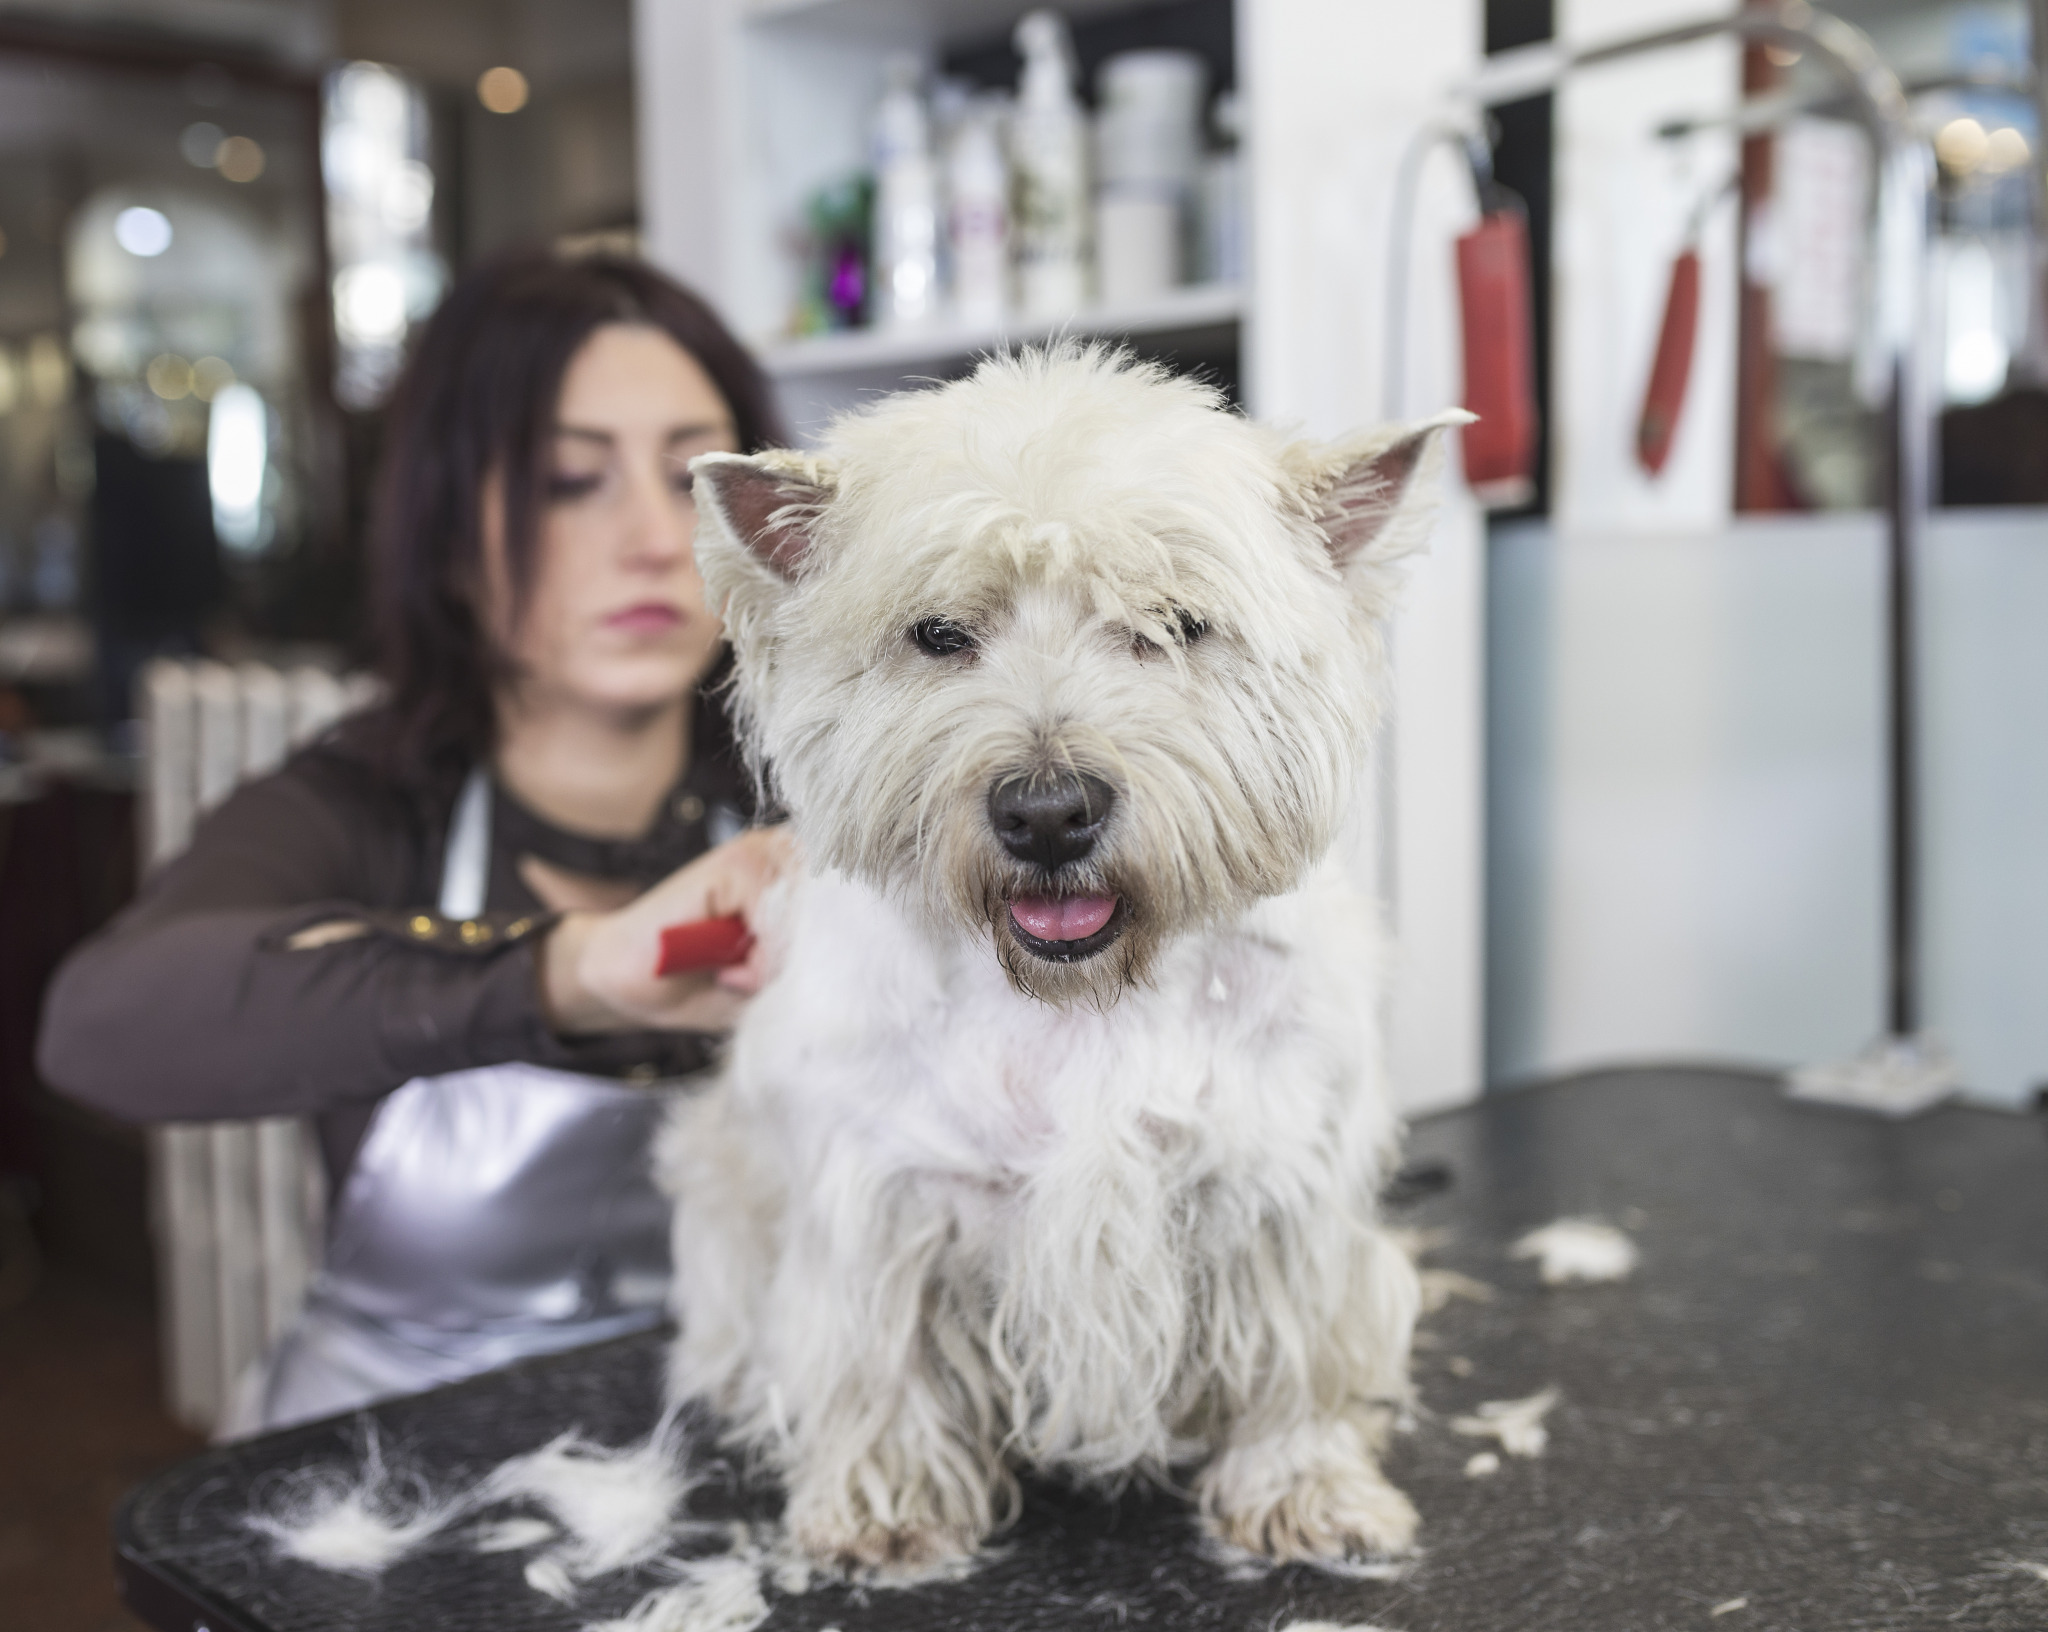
1195 307
748 106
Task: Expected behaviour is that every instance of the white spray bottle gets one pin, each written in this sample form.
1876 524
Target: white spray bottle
906 221
978 212
1049 173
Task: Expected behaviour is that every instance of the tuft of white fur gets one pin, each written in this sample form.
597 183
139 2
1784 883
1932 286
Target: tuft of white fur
1482 1465
618 1506
1578 1249
1334 1626
1517 1424
721 1594
954 1208
549 1576
357 1523
512 1535
1440 1286
615 1508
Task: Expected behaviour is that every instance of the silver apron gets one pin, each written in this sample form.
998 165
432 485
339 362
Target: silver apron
490 1215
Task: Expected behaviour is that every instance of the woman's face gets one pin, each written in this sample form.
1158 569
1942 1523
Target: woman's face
616 618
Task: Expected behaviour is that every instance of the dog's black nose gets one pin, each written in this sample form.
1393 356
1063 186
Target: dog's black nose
1052 818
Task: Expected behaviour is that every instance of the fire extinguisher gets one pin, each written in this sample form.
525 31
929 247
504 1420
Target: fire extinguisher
1497 318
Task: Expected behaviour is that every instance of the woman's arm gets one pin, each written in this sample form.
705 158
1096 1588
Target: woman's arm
269 969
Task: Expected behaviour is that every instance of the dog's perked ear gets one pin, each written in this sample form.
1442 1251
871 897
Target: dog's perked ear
1372 494
767 502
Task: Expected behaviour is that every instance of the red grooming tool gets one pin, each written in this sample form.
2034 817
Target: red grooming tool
1500 355
1664 398
705 943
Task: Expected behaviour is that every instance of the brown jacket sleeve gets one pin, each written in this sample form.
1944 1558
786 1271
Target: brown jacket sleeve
209 998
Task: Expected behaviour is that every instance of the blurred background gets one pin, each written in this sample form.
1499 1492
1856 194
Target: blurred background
1635 801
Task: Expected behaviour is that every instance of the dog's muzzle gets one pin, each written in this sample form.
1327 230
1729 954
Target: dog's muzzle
1050 821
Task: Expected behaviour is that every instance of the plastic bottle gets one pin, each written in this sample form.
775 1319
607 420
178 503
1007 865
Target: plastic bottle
1148 161
1049 173
906 219
978 212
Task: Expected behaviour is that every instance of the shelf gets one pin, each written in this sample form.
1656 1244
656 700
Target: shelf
1199 306
940 22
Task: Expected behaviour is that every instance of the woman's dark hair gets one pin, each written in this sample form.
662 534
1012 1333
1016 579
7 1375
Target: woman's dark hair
477 402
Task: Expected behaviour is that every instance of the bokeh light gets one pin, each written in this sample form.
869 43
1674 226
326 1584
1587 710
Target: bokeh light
2006 149
49 371
210 377
369 304
169 376
502 90
237 452
200 143
240 158
1961 145
142 231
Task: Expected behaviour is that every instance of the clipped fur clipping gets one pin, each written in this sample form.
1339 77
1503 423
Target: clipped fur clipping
1334 1626
616 1507
608 1509
1517 1424
358 1523
719 1594
1578 1250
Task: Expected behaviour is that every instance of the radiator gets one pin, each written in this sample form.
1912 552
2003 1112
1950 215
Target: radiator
237 1207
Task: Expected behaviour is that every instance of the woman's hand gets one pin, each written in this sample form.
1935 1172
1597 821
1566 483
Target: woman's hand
597 968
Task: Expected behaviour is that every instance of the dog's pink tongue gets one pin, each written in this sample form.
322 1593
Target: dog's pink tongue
1068 918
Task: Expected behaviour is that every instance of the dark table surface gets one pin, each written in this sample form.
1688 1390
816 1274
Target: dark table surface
1824 1394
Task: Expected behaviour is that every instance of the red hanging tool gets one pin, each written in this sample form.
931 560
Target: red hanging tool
1500 342
1664 397
704 943
1671 371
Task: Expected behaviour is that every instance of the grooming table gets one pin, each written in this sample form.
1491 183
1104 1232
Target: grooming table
1822 1400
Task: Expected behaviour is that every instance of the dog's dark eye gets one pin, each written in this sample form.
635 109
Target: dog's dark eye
1192 628
941 637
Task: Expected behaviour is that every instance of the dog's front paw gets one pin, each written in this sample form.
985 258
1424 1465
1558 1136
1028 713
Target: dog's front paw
864 1522
1308 1495
864 1548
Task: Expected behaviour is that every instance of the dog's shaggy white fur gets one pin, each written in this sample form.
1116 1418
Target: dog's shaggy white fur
974 1193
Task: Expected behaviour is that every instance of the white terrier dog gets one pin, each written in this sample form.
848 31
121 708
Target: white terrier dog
1055 1140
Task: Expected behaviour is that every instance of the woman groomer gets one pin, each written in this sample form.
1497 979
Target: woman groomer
436 930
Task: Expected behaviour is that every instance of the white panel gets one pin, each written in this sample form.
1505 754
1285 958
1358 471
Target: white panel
1688 795
1434 887
1984 727
315 702
171 747
686 66
1622 202
219 700
238 1245
1688 783
1337 90
265 719
182 1202
360 691
284 1166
